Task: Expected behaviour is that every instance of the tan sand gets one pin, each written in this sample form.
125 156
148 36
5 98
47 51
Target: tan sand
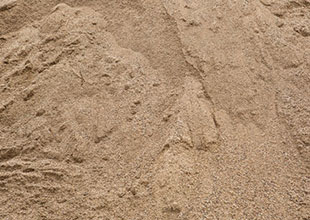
154 109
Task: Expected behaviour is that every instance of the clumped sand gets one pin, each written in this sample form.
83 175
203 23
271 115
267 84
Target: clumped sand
154 109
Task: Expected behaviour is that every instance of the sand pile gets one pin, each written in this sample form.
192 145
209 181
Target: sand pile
150 109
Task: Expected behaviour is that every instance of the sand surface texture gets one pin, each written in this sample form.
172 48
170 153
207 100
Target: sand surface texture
154 109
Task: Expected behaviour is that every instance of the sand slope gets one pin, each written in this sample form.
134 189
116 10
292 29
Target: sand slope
154 109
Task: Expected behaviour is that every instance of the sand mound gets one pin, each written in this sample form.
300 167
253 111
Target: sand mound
154 110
